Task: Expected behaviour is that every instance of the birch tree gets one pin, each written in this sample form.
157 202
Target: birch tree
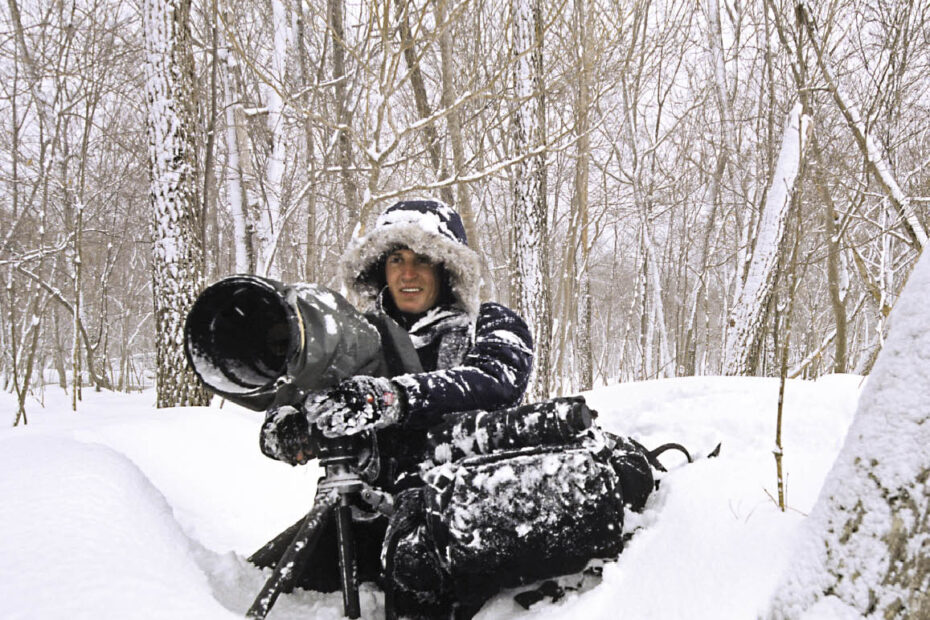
177 259
271 215
530 284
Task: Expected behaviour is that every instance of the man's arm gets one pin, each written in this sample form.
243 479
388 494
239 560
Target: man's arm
494 373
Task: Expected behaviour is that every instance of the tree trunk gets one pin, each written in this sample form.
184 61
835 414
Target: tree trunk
746 318
530 285
270 215
177 259
430 134
454 120
837 277
457 141
343 115
580 209
210 218
863 550
238 159
313 248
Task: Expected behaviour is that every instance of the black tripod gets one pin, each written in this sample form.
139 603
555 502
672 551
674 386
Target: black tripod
338 490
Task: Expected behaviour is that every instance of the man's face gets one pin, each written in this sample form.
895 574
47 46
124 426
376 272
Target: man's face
413 281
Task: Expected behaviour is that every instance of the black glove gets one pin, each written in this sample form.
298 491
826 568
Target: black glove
355 405
285 435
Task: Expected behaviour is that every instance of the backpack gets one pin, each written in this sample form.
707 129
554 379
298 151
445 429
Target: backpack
511 497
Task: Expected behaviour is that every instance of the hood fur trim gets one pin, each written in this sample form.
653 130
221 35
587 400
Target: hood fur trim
460 261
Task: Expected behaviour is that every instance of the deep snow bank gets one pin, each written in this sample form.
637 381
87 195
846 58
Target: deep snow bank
122 511
85 534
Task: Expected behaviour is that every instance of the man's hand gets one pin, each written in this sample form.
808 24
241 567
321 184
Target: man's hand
355 405
285 435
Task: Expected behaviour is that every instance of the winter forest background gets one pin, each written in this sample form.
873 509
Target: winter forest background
664 188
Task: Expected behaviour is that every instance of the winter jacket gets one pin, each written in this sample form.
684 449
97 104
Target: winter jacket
480 363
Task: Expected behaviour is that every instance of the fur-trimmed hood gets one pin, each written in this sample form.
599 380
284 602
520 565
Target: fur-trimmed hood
427 227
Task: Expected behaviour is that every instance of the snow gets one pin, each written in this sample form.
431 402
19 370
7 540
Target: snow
122 510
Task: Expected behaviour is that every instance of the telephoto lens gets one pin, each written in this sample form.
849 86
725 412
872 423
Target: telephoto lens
245 336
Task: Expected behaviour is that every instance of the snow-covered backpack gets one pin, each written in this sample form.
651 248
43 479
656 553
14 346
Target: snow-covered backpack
511 496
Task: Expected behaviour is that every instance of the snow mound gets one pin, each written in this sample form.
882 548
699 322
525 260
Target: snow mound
86 533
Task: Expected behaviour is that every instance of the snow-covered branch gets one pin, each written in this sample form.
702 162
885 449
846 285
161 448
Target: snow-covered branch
874 158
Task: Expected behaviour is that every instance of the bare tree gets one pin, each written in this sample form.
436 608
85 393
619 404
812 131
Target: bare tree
744 335
660 130
875 161
530 284
178 251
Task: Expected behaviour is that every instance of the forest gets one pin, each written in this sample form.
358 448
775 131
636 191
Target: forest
661 187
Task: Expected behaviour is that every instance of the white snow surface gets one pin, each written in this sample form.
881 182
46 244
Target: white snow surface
124 511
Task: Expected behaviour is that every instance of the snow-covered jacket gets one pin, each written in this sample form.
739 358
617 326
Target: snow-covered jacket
470 363
474 356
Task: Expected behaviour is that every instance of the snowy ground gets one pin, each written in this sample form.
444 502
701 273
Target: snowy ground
123 511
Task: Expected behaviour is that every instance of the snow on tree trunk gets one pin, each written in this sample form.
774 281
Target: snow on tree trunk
235 182
177 260
865 549
746 317
530 254
269 219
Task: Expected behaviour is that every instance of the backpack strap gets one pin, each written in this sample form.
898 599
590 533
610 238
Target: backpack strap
653 455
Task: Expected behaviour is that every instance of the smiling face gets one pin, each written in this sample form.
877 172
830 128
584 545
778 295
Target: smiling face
413 281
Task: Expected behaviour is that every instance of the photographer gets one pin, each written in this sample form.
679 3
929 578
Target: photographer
438 485
416 268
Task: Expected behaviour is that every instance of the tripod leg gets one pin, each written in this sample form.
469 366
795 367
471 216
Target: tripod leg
304 542
347 568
